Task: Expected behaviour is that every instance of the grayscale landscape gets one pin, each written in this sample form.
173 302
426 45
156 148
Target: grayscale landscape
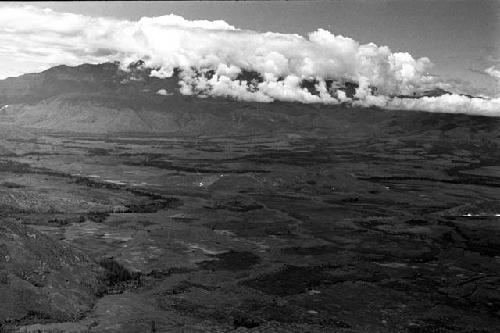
280 217
128 206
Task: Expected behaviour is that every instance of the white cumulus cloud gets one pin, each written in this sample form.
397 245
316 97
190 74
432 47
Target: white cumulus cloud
450 103
491 71
213 56
164 92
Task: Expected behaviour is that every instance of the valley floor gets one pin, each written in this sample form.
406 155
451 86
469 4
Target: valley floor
256 234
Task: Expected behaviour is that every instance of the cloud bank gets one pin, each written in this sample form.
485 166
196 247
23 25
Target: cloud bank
491 71
217 59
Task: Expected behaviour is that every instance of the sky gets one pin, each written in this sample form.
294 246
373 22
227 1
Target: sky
461 38
389 48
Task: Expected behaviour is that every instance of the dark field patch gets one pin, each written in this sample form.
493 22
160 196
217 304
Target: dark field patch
96 217
463 179
443 324
11 185
191 309
310 251
185 286
15 167
290 280
62 221
117 278
244 320
192 168
255 229
231 261
254 312
153 206
302 158
98 151
398 247
66 219
161 274
236 205
94 184
484 241
417 222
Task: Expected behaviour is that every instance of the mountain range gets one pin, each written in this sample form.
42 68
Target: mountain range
104 98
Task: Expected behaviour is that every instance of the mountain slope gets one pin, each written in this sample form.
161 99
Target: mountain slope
84 79
106 99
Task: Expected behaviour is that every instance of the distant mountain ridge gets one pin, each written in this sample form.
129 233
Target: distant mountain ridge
106 99
109 78
103 78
